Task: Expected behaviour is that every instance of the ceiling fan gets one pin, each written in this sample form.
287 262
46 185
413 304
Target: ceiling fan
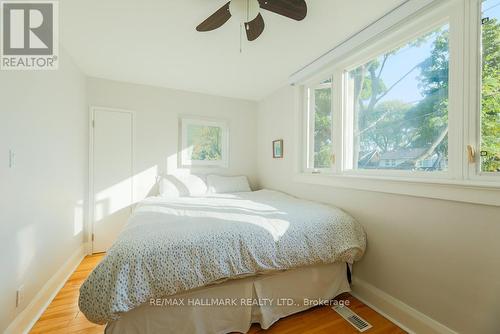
248 13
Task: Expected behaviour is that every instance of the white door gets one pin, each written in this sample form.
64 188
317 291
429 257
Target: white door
112 175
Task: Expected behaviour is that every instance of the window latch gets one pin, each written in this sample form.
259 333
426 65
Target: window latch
471 154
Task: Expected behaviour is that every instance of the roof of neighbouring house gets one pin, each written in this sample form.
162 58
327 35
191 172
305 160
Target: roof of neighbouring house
368 157
410 153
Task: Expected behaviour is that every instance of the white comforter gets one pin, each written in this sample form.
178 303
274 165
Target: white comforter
174 245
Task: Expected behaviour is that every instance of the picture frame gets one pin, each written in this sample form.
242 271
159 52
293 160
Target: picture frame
194 132
278 149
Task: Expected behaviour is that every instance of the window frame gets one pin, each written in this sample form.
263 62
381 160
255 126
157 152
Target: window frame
185 161
386 44
464 115
310 127
474 39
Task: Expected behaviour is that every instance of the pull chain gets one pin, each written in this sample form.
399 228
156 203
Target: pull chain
244 25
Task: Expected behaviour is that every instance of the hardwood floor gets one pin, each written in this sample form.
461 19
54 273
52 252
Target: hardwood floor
63 315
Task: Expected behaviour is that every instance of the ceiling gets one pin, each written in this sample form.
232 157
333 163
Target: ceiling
154 42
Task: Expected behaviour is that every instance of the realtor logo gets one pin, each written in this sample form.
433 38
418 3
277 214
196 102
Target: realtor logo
29 35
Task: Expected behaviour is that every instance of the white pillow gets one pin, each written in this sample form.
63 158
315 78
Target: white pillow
169 186
182 184
227 184
196 184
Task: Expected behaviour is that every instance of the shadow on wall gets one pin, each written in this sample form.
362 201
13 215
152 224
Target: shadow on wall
27 238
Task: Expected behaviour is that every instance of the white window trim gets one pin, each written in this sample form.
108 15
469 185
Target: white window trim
185 160
462 182
473 99
309 105
403 36
486 193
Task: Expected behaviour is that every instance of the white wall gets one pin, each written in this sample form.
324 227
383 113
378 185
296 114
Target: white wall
156 123
440 257
44 121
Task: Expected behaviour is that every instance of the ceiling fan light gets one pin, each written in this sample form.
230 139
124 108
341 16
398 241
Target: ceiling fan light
244 10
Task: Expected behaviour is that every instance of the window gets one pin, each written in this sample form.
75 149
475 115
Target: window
204 143
413 97
399 106
320 125
490 91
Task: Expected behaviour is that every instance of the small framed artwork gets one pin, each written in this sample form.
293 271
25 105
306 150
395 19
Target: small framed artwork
278 149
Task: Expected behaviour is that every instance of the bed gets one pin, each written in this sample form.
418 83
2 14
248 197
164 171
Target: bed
218 263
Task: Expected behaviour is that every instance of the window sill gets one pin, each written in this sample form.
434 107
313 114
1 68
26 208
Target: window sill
487 193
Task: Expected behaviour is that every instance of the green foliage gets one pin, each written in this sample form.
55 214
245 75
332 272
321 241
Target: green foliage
386 126
323 128
388 135
391 125
490 104
205 142
430 115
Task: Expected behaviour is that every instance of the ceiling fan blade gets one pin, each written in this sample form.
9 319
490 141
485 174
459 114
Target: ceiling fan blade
294 9
216 20
254 28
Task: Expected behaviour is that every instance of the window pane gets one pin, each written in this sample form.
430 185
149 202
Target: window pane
204 142
322 136
490 103
399 105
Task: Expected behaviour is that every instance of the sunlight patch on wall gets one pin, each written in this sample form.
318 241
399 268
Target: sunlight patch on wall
124 193
78 218
172 162
113 199
143 182
26 249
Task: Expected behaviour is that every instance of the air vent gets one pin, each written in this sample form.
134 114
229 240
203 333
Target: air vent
351 317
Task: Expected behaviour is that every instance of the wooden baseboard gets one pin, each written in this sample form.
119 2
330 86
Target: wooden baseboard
401 314
28 317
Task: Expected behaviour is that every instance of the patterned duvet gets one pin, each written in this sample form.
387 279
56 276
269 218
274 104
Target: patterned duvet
174 245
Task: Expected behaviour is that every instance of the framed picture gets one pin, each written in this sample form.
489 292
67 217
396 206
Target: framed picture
204 142
278 149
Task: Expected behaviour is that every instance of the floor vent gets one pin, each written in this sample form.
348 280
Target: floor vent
354 319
